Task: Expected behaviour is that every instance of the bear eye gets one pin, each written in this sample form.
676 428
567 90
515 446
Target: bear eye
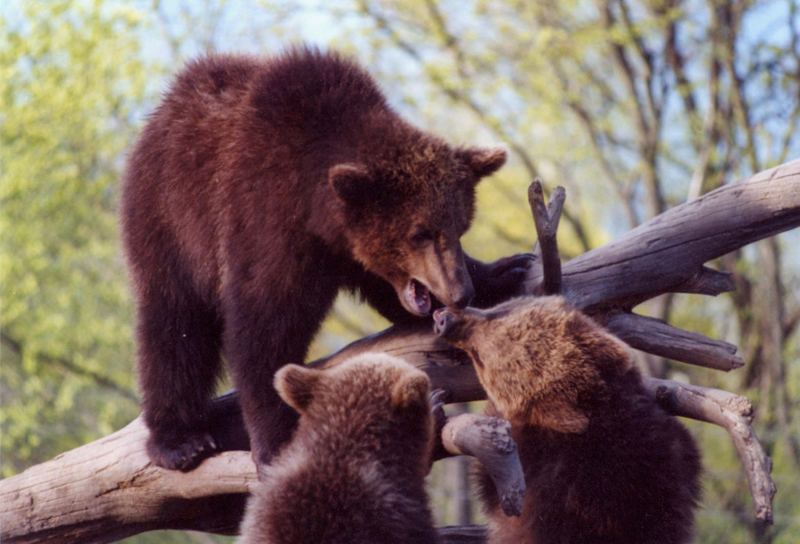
421 237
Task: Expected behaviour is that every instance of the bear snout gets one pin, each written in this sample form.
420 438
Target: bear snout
443 321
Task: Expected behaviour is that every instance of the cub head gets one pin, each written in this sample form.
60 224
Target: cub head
371 390
404 211
538 359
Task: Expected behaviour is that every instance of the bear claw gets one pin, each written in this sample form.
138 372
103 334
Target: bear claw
183 455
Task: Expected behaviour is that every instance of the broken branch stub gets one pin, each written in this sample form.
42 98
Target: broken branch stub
489 440
657 337
546 218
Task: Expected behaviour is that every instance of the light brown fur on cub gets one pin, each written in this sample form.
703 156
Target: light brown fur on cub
603 462
354 471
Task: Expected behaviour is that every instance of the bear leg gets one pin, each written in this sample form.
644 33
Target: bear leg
260 337
179 361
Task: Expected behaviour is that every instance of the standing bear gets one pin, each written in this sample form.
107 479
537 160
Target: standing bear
354 471
258 189
603 462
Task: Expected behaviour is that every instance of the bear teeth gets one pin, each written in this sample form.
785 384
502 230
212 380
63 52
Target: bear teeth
420 296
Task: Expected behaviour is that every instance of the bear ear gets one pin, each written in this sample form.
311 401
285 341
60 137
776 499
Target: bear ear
484 161
295 384
411 389
351 182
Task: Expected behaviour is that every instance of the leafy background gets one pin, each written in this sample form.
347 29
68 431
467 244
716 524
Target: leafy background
633 106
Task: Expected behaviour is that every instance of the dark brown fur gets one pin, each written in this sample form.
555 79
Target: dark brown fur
257 190
603 462
354 470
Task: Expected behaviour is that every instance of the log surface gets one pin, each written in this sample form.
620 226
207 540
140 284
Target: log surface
108 489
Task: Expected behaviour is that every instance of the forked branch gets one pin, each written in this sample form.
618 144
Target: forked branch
735 414
546 218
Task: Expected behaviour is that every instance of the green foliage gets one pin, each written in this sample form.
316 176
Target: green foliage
69 82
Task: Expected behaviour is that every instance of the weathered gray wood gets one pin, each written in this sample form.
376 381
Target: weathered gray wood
546 218
665 252
708 282
654 336
735 414
108 489
489 440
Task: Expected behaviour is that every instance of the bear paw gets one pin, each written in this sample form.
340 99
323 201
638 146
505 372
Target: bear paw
501 279
183 454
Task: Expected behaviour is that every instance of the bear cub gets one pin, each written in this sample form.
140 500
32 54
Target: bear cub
354 470
603 462
258 189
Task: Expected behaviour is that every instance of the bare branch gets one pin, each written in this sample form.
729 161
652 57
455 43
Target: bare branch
656 337
108 489
546 218
708 282
489 440
734 414
665 252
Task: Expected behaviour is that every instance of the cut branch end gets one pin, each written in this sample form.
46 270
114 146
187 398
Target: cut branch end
489 440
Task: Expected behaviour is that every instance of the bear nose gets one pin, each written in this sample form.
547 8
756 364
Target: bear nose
443 320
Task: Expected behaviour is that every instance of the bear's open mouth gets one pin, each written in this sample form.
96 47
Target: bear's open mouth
418 298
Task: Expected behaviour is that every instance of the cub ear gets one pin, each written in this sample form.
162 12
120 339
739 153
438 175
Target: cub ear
295 384
411 389
351 182
484 161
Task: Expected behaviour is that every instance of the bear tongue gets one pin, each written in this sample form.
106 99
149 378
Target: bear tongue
419 297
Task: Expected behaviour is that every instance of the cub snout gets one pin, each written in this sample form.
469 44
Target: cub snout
444 321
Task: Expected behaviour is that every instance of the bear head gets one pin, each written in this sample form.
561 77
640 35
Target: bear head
404 209
541 362
369 397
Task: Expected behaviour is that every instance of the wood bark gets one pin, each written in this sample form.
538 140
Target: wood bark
108 489
489 440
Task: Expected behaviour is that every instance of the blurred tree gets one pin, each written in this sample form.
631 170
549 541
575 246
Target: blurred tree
69 82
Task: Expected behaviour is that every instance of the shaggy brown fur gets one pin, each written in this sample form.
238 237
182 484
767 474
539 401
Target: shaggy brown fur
257 190
603 463
354 471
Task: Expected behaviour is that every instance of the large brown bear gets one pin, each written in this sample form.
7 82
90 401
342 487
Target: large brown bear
257 190
603 463
354 471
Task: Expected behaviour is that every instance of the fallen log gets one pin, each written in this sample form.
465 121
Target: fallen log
108 489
